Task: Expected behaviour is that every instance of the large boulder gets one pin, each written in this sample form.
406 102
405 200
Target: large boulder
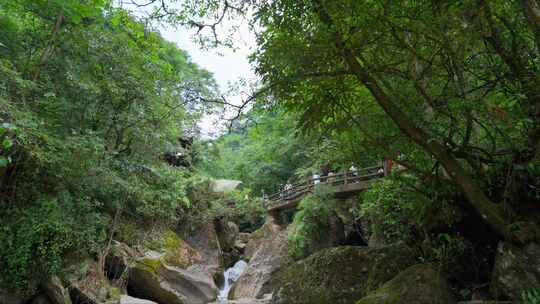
331 234
153 279
227 233
255 239
341 274
515 270
56 292
86 284
172 272
267 260
419 284
203 238
224 185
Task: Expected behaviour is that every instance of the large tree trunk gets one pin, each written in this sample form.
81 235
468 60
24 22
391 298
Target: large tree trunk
488 210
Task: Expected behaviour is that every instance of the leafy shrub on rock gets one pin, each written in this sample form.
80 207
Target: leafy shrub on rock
399 212
311 222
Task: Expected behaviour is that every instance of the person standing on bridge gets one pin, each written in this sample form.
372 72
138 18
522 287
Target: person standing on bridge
353 170
316 179
331 177
288 188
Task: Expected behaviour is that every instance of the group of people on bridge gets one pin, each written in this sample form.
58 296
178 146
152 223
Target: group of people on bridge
327 175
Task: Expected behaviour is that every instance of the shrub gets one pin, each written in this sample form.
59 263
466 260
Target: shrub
35 239
240 207
392 211
312 218
399 212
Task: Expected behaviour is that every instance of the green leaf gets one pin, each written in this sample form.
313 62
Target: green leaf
7 143
3 161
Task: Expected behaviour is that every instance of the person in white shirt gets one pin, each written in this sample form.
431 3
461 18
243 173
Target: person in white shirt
353 170
316 178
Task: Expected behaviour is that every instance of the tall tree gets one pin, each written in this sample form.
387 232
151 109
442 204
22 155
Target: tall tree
457 79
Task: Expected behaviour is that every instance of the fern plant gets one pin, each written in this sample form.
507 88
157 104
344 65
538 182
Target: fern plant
531 296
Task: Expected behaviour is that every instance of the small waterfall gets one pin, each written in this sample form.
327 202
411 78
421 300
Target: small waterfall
231 275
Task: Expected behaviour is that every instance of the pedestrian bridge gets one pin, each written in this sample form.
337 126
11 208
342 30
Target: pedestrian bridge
342 184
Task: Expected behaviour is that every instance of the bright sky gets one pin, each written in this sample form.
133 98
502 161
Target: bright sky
226 64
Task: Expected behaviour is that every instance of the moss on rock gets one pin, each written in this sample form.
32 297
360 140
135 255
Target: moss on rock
420 284
176 252
342 274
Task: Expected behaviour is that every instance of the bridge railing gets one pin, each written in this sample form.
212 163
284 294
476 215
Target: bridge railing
340 179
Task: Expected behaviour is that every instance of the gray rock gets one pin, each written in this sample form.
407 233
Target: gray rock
268 259
227 233
172 285
173 272
204 239
515 270
419 284
224 185
85 285
125 299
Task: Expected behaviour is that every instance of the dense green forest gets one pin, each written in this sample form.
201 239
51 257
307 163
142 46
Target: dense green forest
88 111
100 141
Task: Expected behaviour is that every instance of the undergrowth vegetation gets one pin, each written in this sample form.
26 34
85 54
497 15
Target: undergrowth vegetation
310 223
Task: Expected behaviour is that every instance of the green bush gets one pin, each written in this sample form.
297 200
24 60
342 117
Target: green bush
239 206
531 296
312 218
397 210
392 210
34 240
80 144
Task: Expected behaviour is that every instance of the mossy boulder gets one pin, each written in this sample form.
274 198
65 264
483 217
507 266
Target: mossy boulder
171 272
86 283
515 270
176 251
152 278
341 274
55 291
419 284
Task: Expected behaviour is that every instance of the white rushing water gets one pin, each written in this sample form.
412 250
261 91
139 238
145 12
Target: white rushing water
231 275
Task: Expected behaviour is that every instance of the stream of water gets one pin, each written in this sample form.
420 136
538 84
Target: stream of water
231 275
